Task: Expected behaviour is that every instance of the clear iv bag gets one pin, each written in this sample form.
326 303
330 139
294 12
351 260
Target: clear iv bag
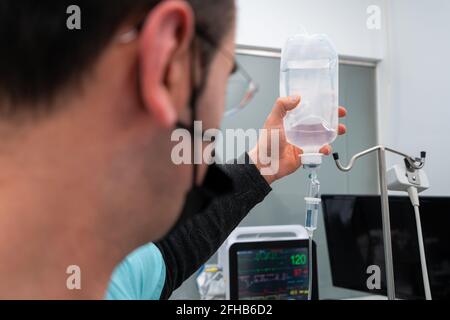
309 68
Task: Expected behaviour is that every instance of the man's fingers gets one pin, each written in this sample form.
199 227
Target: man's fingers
326 150
342 112
285 104
342 129
297 150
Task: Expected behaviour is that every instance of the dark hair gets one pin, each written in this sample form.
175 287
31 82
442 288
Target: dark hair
39 55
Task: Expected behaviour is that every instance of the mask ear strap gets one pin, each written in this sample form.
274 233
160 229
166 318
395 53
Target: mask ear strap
193 105
197 87
194 137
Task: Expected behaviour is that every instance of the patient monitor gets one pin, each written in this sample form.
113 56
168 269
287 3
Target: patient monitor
271 262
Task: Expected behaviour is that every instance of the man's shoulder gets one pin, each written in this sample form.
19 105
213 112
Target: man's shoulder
140 276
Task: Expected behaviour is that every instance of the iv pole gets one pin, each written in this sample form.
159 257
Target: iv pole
416 163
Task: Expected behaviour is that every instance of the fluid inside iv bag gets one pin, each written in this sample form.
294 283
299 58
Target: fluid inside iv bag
309 68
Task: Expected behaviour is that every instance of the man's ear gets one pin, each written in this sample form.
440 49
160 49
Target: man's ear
166 34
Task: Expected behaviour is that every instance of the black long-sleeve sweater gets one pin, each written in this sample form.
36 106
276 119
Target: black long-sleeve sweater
192 243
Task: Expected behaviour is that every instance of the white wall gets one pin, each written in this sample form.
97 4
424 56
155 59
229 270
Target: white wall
268 23
419 97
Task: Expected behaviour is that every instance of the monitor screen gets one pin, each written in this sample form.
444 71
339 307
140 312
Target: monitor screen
355 242
273 270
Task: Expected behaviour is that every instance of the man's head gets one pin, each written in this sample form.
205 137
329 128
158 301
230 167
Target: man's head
86 115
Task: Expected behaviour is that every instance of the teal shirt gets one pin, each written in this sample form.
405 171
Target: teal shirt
141 276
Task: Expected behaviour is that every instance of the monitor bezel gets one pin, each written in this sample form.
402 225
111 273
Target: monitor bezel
327 224
266 244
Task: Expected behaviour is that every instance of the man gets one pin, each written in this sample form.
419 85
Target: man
156 269
86 117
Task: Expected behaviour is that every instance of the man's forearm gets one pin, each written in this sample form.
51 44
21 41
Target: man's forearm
191 244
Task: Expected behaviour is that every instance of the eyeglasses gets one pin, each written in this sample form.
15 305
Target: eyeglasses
241 88
240 91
